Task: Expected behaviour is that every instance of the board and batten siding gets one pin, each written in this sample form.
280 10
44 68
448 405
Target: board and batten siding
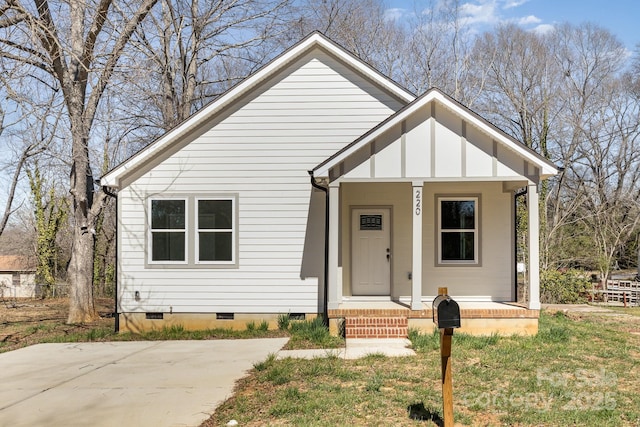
436 147
260 151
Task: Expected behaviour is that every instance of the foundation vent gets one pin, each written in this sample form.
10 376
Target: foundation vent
154 316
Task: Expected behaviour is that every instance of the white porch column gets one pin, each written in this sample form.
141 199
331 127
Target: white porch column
534 246
334 293
416 259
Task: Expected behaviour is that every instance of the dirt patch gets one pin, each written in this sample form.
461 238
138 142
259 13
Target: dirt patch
27 321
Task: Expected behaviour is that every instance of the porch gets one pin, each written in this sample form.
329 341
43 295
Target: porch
370 318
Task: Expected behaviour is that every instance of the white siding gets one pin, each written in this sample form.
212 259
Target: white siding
26 289
261 151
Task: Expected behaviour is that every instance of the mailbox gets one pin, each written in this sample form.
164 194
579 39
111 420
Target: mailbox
446 312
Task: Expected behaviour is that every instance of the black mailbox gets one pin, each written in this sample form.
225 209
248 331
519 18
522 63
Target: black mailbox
446 312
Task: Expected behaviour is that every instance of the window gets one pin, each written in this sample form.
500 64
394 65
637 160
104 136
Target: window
215 230
192 232
458 230
168 230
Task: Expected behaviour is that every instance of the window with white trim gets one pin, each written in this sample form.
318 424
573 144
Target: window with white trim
168 230
215 231
458 233
192 232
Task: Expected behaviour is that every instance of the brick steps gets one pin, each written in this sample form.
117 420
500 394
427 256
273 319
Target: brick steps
376 327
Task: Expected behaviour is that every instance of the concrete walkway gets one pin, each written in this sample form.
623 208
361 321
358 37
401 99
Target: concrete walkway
356 348
161 383
577 308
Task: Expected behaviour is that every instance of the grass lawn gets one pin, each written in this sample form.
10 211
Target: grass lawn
35 321
581 370
634 311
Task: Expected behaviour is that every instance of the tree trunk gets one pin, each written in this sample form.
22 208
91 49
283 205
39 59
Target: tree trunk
81 306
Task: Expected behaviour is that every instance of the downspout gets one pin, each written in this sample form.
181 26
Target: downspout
325 285
115 269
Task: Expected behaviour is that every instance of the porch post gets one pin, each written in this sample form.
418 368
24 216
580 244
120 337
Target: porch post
534 246
334 294
416 260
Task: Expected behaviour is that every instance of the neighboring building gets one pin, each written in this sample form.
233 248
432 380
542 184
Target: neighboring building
17 277
224 219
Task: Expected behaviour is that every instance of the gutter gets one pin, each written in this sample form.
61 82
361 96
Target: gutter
115 293
325 285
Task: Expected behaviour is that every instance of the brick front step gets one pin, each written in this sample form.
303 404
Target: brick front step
376 327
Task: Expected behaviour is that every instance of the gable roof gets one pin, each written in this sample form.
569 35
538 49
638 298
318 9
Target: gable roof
316 39
547 168
17 263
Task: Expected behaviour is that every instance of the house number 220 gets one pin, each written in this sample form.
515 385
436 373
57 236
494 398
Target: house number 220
418 202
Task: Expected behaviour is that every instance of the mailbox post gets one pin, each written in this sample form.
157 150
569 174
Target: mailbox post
446 315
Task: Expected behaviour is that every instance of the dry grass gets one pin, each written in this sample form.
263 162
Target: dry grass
26 322
580 370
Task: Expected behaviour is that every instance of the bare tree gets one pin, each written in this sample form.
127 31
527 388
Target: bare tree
73 49
360 26
27 152
23 137
521 96
439 53
607 176
599 125
197 49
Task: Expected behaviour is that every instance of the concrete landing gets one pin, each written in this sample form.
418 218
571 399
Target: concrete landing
356 348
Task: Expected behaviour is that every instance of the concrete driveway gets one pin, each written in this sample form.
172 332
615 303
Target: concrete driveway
158 383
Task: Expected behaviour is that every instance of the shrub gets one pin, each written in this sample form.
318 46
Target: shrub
284 321
263 326
557 287
314 333
267 363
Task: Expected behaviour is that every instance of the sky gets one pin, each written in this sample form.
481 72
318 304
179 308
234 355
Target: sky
620 17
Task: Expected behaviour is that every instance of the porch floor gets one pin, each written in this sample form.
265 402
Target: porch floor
468 309
384 318
390 304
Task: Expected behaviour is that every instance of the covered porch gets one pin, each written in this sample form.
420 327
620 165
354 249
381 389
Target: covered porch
427 200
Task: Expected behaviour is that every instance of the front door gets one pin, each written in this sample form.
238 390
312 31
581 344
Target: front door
371 251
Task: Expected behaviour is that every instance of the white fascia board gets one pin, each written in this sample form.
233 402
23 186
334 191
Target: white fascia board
112 178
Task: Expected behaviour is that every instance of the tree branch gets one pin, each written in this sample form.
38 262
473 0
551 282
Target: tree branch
50 41
29 151
114 56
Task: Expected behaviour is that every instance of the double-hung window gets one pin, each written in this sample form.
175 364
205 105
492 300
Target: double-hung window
168 230
193 231
215 231
458 233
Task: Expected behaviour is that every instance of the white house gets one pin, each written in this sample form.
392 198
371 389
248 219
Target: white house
17 277
224 219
